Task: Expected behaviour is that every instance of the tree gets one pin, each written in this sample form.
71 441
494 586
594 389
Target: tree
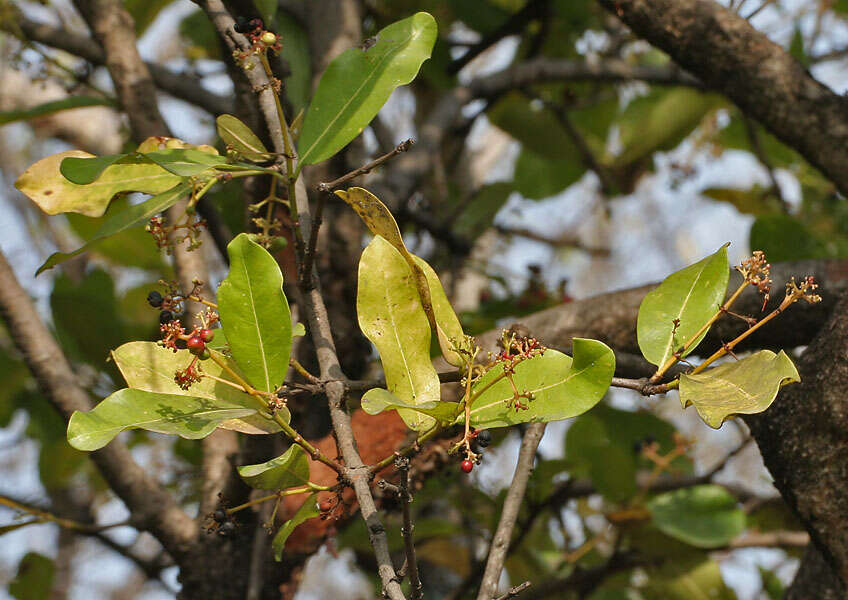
284 424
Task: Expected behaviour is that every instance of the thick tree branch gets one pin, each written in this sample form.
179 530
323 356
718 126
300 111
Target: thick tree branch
177 85
509 513
725 52
151 507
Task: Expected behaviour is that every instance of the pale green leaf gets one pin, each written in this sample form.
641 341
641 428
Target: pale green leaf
561 387
693 577
391 316
255 314
299 330
133 216
451 337
674 312
377 400
150 367
746 387
307 510
290 469
186 416
241 138
705 516
358 82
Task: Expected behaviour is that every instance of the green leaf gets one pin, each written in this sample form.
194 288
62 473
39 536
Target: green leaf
267 9
451 337
44 184
149 367
133 216
755 201
672 313
290 469
561 387
144 12
255 314
48 108
241 138
747 387
299 330
481 210
296 52
83 171
377 400
660 121
391 315
535 126
784 238
185 162
187 416
357 83
704 516
688 578
34 578
537 177
307 510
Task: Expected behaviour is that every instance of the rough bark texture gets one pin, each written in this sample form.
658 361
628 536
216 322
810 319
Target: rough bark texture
815 579
804 445
725 52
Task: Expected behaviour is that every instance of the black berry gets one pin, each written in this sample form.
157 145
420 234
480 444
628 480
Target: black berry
227 529
484 438
220 516
165 317
242 25
154 299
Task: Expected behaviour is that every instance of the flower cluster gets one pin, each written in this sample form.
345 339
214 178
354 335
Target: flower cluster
185 378
804 291
162 234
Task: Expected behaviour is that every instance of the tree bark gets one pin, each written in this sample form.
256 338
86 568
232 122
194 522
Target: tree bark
725 52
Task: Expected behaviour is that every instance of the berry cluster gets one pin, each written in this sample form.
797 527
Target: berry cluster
477 443
261 40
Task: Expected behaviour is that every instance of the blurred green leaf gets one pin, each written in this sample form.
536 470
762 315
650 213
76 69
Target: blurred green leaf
688 579
144 12
133 216
267 9
674 312
480 212
747 386
784 238
755 201
358 82
34 578
705 516
537 177
296 53
48 108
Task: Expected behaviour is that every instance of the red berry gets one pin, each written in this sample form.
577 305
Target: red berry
206 335
195 345
325 506
466 466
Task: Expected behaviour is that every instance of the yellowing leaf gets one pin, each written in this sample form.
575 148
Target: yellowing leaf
45 185
391 316
748 386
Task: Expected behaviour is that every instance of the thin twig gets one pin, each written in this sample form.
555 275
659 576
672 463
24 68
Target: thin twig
514 591
509 513
366 168
402 464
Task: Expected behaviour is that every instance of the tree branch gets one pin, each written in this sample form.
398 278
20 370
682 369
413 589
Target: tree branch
509 513
177 85
151 507
745 65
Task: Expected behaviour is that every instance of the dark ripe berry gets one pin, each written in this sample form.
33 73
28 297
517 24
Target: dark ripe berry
649 439
165 317
256 24
637 447
242 25
484 438
466 466
195 345
325 506
227 529
154 299
206 334
220 516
